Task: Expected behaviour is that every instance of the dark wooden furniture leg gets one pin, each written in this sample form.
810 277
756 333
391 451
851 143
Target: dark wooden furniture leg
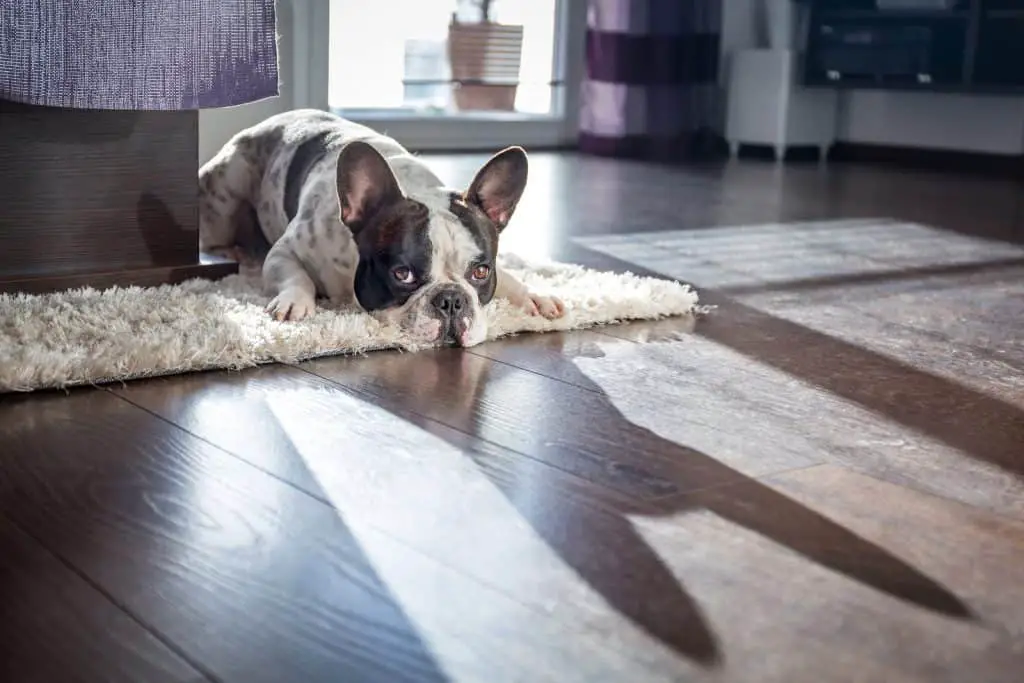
99 198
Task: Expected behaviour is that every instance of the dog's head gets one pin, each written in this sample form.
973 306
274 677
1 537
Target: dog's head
427 258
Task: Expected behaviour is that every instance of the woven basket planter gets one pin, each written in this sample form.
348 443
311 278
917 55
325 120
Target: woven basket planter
485 59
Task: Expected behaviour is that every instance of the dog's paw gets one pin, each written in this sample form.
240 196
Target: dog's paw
550 307
291 304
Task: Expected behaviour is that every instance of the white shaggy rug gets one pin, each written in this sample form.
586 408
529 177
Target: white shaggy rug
86 336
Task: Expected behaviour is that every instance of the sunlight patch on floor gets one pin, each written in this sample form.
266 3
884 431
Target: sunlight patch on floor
740 256
437 500
758 420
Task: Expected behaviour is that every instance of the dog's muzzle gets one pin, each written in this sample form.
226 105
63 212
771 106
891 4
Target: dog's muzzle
451 306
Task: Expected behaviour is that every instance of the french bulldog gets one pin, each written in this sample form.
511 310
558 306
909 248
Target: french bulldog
349 215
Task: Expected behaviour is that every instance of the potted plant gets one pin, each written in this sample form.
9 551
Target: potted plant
485 57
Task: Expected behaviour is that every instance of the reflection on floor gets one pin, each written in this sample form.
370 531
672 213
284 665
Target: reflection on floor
822 480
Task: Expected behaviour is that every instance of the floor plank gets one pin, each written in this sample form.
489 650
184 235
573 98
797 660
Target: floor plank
573 194
797 622
509 521
762 566
969 443
57 627
807 256
646 422
747 376
531 414
250 577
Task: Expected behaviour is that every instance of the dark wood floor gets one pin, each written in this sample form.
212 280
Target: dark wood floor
823 480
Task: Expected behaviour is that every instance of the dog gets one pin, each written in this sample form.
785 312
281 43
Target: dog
349 215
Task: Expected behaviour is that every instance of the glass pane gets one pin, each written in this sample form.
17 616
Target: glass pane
404 55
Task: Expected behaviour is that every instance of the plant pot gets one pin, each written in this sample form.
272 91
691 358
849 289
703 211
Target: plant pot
485 59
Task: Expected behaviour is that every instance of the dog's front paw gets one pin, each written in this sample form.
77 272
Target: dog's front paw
291 304
550 307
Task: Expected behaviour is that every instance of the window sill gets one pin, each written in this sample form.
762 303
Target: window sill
476 131
455 117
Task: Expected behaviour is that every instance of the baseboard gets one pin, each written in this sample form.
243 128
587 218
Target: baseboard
923 158
206 266
701 145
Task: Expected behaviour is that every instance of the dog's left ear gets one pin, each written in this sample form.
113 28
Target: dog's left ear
499 184
366 183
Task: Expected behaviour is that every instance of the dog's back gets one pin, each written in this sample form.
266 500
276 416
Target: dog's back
263 174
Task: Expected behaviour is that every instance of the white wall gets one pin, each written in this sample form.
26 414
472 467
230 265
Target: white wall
739 26
739 31
972 123
943 121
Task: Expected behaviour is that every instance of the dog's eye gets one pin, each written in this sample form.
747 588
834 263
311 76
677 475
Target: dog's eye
480 272
404 275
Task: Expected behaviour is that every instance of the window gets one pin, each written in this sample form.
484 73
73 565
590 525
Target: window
431 74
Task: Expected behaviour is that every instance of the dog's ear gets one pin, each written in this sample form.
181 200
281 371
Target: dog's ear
499 184
366 184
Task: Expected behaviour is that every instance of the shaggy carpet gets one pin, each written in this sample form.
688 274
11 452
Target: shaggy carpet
87 336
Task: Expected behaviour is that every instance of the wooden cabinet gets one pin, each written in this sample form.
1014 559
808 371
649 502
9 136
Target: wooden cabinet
99 198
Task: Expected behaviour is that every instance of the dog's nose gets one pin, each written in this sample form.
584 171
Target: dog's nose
450 302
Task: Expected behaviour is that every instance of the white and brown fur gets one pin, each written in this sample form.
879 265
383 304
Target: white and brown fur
347 213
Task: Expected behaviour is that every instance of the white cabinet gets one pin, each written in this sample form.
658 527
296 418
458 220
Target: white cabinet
767 106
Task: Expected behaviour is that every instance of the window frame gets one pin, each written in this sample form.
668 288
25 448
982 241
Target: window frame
473 131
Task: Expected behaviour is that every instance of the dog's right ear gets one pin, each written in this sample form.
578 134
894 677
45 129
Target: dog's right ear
366 184
499 184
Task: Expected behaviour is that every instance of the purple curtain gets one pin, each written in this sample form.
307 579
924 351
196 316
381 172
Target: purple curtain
137 54
651 87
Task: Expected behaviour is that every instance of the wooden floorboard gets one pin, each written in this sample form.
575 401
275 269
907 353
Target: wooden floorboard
783 618
202 546
529 413
748 377
820 480
392 469
461 502
56 626
250 576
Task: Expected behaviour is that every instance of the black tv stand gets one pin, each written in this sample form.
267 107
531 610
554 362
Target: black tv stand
974 46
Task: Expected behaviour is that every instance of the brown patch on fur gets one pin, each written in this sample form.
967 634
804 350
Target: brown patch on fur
467 213
481 227
399 218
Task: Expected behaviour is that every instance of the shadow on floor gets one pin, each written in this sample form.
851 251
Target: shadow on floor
981 426
636 473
